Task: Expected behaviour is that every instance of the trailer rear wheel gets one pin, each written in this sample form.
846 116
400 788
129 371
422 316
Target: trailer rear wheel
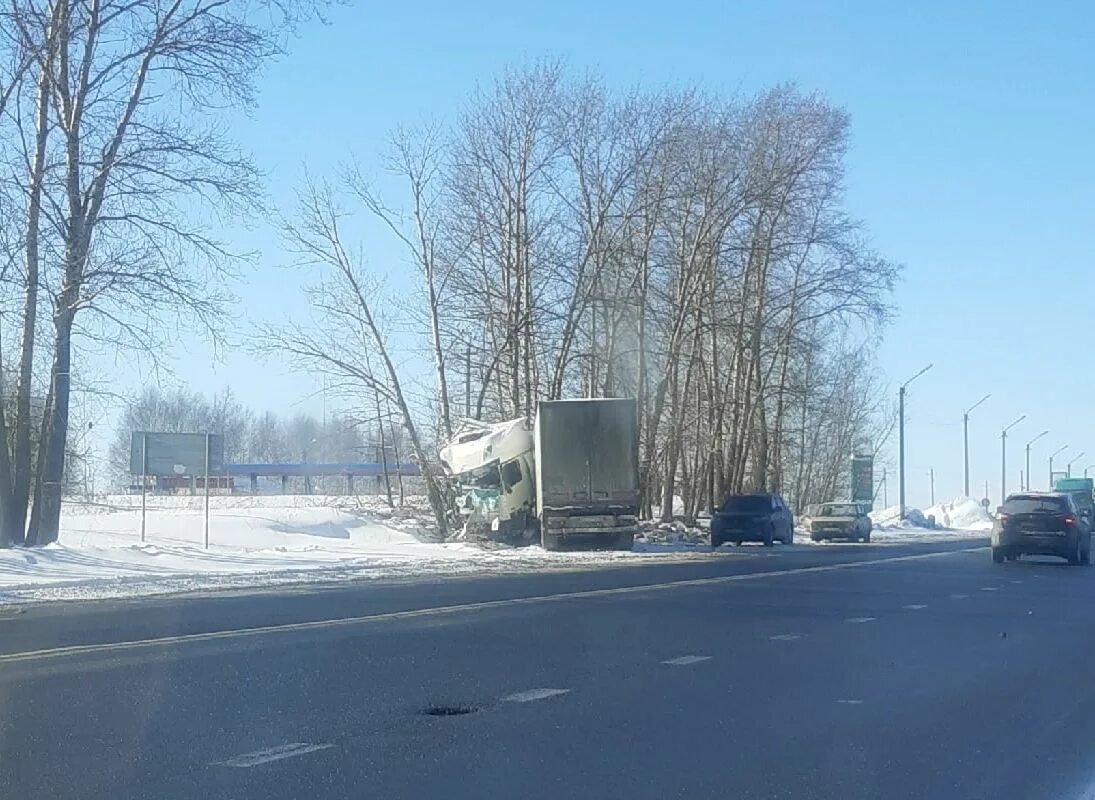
551 541
626 541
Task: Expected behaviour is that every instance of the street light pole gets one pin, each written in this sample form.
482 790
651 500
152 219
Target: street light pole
1089 466
901 441
1056 452
1068 468
1004 459
1032 441
966 443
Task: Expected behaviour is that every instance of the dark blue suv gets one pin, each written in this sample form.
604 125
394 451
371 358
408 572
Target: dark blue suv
753 518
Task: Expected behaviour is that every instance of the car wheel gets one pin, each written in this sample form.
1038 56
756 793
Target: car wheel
769 537
997 555
867 537
1076 558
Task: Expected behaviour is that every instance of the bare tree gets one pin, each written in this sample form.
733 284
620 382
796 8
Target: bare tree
347 332
134 88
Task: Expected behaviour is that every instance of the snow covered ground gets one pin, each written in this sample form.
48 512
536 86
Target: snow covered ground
261 541
275 540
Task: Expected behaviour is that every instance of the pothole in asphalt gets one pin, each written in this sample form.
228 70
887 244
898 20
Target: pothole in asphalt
449 711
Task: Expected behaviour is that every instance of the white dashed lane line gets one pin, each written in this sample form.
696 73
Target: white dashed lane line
850 702
990 588
914 606
861 620
959 596
684 661
534 694
785 637
272 754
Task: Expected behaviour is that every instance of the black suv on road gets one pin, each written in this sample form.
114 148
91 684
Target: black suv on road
753 518
1041 524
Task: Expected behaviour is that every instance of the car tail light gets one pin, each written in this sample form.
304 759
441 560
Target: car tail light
1070 520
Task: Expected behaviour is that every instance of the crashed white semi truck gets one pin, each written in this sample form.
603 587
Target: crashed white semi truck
572 481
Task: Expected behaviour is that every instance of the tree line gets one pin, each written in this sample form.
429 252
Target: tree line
690 250
252 437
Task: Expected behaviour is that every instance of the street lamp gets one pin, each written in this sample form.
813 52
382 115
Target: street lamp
1032 441
1068 467
1089 466
1055 453
1004 459
966 442
901 441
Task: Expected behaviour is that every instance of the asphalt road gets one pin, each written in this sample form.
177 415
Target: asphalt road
812 672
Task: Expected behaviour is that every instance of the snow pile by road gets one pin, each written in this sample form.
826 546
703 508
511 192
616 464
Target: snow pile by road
891 518
255 541
963 513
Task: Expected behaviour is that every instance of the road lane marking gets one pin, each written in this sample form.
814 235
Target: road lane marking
959 596
272 754
683 661
914 606
861 619
1016 581
990 588
785 637
436 611
534 694
851 702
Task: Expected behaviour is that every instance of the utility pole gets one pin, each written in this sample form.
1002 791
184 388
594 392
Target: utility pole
931 478
966 443
1004 459
1032 441
901 441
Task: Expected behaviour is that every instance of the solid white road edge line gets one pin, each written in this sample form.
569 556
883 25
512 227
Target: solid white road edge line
534 694
271 754
684 661
293 627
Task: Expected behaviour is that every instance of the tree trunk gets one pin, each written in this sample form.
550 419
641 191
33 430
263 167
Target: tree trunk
55 430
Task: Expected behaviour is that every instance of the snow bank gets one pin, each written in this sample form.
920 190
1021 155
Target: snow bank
261 541
963 513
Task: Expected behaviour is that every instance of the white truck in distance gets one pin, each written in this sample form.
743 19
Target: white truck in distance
571 481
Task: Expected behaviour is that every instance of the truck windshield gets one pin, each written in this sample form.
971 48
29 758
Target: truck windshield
1035 505
748 504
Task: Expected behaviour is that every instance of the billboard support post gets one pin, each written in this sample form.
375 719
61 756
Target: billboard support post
144 479
207 491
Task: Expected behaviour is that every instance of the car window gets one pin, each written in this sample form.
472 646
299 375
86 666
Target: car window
1034 504
839 510
747 504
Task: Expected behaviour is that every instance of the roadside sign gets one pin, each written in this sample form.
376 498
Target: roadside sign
175 453
863 480
189 454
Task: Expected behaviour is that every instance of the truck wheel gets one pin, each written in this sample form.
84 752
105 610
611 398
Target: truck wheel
551 541
997 555
626 541
867 537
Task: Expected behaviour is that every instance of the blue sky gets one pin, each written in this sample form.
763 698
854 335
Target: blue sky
971 165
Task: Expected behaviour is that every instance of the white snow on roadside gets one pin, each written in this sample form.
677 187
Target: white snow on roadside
262 541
